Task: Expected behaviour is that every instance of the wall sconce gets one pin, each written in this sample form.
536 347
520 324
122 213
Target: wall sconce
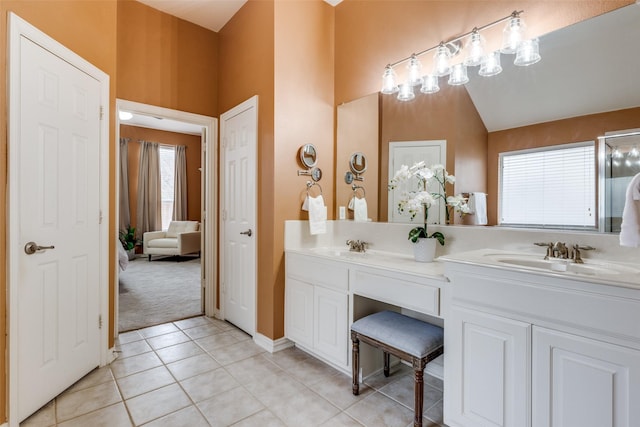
514 41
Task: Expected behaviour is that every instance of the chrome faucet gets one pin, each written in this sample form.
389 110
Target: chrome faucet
357 246
561 251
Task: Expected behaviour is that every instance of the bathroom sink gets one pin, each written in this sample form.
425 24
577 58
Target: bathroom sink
589 268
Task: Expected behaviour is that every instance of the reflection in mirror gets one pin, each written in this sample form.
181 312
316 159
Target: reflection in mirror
358 163
619 163
580 90
308 156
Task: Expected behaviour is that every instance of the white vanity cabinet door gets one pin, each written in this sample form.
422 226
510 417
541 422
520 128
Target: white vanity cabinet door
487 370
299 312
583 382
331 335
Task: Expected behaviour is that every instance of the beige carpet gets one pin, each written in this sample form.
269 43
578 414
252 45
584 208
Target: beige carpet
160 291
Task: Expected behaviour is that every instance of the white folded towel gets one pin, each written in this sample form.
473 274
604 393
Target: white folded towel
478 206
317 215
360 209
630 227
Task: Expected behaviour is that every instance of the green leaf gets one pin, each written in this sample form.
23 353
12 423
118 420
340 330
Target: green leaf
438 235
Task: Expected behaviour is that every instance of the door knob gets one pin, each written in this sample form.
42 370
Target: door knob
248 232
32 247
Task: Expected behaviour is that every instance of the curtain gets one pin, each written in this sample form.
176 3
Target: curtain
180 185
125 219
149 189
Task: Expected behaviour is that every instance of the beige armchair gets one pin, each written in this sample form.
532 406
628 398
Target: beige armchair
181 238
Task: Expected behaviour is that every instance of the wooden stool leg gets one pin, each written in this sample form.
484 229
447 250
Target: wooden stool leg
418 390
386 364
355 364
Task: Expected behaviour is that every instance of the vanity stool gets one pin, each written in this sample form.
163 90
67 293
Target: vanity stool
409 339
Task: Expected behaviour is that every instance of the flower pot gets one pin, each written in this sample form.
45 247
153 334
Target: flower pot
131 254
424 250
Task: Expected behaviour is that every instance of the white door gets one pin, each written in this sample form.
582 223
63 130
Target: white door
238 130
408 153
582 382
58 206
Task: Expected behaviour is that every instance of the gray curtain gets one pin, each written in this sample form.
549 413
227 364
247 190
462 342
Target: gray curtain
180 185
149 189
125 218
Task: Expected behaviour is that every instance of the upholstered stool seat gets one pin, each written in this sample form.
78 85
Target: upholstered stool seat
407 338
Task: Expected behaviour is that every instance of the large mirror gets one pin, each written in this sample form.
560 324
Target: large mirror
584 86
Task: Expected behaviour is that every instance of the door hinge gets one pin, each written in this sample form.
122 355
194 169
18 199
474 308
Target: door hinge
224 214
100 321
100 217
101 112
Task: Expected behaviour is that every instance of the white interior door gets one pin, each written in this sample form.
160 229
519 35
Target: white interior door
408 153
56 185
238 130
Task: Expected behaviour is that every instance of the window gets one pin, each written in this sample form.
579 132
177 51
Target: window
167 170
550 188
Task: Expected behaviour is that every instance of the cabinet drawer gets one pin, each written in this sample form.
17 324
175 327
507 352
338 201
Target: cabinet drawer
402 291
317 271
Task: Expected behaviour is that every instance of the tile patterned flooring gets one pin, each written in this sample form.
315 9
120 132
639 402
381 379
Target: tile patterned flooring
205 372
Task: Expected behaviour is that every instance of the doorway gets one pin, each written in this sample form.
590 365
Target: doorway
153 117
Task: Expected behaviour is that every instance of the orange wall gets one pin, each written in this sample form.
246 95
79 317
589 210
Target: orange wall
448 114
165 61
303 114
193 155
87 28
578 129
246 43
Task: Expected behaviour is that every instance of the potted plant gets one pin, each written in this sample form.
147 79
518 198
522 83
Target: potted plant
129 241
421 199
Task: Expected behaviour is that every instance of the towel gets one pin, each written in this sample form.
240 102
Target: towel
630 227
478 206
317 215
360 209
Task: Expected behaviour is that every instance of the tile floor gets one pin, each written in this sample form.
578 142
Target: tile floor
205 372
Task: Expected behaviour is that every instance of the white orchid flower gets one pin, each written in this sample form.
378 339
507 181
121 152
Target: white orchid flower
424 174
437 167
449 178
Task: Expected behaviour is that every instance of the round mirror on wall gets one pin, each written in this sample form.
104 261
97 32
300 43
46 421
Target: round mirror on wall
358 163
308 155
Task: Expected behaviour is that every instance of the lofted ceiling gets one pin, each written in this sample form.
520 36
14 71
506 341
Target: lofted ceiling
587 68
210 14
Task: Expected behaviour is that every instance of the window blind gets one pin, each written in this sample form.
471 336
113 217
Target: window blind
551 187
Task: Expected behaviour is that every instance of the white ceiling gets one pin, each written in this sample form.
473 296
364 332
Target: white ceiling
587 68
210 14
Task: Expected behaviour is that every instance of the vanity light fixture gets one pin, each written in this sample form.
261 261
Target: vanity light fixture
634 152
514 42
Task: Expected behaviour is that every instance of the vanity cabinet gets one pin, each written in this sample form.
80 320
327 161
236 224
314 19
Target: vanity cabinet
583 382
316 307
487 369
525 349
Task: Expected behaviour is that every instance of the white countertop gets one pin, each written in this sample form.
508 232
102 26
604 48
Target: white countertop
603 272
379 259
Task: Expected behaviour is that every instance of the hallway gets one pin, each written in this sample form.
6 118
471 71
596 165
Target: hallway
205 372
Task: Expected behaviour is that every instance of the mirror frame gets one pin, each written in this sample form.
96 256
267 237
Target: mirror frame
352 162
306 148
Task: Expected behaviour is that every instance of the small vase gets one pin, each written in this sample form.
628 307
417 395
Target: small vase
424 250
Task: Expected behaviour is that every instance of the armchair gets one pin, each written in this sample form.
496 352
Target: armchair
181 238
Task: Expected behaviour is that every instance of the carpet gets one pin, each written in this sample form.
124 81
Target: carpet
160 291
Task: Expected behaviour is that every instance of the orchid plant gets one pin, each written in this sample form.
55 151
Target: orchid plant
421 199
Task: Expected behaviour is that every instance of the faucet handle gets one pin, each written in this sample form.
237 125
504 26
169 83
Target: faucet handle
576 252
549 247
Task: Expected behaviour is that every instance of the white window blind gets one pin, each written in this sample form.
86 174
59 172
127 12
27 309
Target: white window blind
551 187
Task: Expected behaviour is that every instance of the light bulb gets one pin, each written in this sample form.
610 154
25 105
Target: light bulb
458 75
415 71
441 60
475 49
491 65
616 153
634 152
389 84
125 115
527 53
430 84
406 92
513 34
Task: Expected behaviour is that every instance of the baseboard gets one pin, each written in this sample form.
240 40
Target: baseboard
270 345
